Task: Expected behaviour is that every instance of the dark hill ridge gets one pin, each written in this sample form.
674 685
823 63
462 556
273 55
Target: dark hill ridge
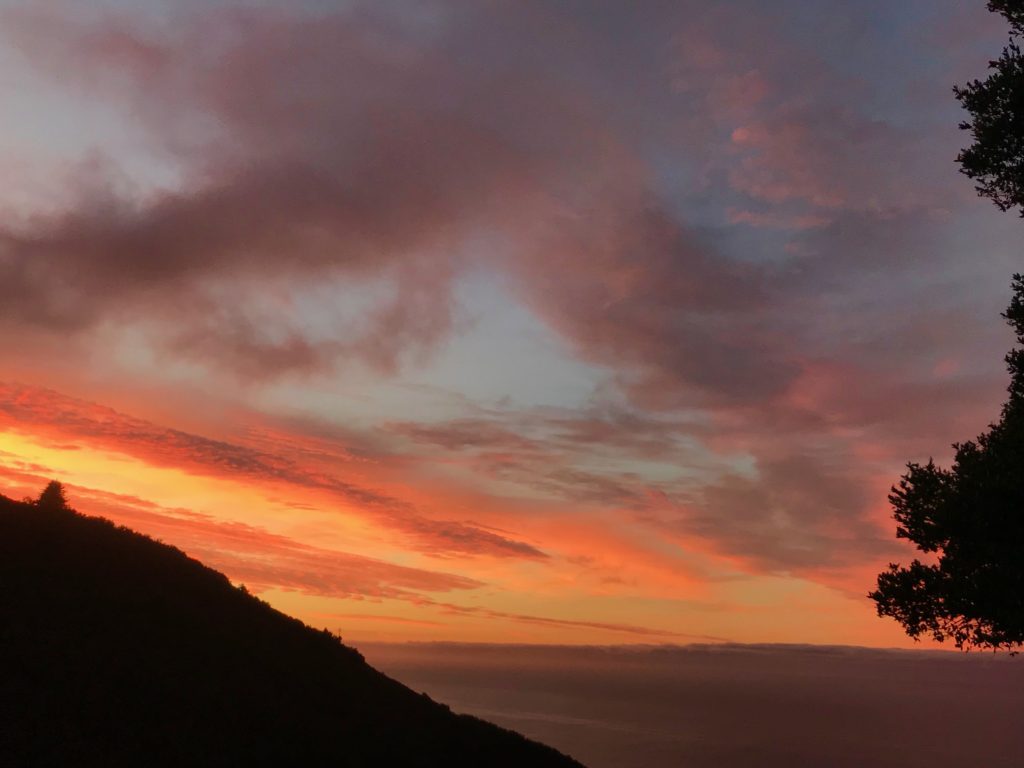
117 650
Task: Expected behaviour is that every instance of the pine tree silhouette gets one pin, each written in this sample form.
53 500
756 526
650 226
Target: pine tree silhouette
53 496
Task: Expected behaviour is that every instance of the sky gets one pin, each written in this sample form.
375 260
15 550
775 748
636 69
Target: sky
577 322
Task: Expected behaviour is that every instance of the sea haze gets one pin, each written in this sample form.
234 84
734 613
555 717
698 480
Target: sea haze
726 706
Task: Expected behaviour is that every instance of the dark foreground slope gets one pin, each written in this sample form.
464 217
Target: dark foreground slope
118 650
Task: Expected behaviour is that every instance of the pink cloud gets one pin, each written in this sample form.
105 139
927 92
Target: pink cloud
360 150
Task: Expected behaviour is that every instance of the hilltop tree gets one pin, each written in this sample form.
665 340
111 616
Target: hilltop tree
995 161
971 519
53 496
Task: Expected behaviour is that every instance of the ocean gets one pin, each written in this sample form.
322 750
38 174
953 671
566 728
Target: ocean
733 706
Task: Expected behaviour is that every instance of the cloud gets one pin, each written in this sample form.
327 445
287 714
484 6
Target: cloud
395 152
631 629
377 157
47 413
251 555
748 232
263 560
290 188
798 513
562 454
794 485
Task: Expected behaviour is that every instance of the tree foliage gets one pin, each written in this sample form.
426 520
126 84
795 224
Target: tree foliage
995 161
970 519
53 496
1013 10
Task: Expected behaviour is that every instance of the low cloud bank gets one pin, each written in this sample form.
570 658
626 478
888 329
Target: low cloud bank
727 706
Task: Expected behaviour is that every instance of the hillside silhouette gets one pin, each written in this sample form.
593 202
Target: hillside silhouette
118 650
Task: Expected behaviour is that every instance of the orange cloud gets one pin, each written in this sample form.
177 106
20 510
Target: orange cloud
45 413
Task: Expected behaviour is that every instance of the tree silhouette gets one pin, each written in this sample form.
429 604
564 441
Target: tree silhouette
53 496
971 517
996 159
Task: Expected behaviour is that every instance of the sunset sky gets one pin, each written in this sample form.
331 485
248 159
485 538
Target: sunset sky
575 321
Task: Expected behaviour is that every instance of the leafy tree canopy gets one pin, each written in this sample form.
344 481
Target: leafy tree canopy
995 161
970 519
1013 10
